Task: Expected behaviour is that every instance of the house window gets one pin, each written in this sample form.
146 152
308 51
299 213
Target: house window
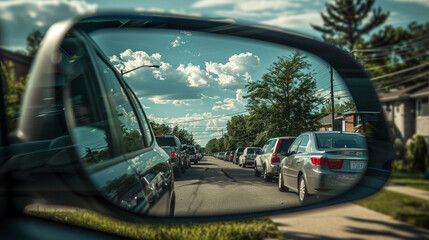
422 107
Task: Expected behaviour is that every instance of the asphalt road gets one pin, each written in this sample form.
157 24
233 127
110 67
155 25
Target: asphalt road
216 187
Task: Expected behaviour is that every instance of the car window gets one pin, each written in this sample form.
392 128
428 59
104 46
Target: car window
122 109
270 147
143 120
294 148
339 140
165 141
303 145
284 145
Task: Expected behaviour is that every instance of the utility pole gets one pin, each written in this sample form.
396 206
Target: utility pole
332 99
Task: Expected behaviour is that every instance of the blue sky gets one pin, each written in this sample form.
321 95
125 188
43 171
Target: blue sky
211 83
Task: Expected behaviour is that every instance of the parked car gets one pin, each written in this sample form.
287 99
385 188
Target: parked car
225 156
172 146
269 160
248 156
191 151
323 163
231 156
238 152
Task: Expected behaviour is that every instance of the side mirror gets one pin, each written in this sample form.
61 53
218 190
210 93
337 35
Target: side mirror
204 65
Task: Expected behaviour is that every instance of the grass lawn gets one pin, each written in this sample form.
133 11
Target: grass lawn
261 228
401 207
414 180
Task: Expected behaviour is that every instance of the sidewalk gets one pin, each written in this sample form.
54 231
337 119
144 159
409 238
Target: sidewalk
345 221
350 221
407 190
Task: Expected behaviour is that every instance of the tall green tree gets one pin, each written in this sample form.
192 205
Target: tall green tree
346 21
284 99
33 42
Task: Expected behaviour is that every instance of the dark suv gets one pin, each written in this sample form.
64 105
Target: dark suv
172 146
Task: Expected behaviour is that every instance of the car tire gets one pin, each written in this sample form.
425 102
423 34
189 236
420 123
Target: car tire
282 187
256 172
243 165
267 178
302 191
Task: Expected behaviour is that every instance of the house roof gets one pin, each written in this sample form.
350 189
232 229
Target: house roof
15 57
416 91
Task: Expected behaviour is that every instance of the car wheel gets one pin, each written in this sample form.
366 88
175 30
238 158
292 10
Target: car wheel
302 190
267 178
256 172
243 165
282 187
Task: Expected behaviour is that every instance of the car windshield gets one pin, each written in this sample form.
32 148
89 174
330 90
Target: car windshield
340 140
165 141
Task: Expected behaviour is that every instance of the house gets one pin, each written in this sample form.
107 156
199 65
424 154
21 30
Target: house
407 111
21 63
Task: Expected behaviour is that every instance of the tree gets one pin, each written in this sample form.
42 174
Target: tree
13 92
338 108
33 42
346 21
237 131
392 49
284 99
184 136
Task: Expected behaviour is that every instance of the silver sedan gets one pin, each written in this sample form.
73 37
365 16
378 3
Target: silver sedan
323 163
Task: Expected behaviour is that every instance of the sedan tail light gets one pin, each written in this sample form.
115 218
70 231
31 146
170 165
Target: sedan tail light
331 163
275 158
173 155
195 155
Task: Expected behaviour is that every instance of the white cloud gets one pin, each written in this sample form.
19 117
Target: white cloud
231 103
295 21
252 6
236 71
423 2
184 82
20 17
177 42
157 100
212 3
192 120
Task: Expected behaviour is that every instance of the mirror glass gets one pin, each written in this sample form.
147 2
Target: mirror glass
253 119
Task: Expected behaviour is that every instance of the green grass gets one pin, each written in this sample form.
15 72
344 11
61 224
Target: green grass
414 180
261 228
401 207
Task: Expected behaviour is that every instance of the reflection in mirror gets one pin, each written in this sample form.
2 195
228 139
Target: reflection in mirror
253 122
260 114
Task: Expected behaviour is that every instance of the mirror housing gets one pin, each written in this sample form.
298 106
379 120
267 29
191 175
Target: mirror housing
84 193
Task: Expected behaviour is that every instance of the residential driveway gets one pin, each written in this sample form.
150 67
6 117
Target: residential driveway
346 221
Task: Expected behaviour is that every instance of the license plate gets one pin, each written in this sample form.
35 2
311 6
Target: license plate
357 165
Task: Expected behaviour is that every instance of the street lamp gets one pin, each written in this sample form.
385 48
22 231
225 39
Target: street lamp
123 73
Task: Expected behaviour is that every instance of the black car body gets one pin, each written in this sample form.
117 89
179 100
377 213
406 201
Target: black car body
83 132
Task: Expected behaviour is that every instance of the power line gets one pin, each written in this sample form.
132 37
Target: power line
401 71
209 118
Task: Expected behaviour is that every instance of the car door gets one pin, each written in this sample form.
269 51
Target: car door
297 165
289 175
145 158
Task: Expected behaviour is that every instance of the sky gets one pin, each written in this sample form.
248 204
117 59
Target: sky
207 84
